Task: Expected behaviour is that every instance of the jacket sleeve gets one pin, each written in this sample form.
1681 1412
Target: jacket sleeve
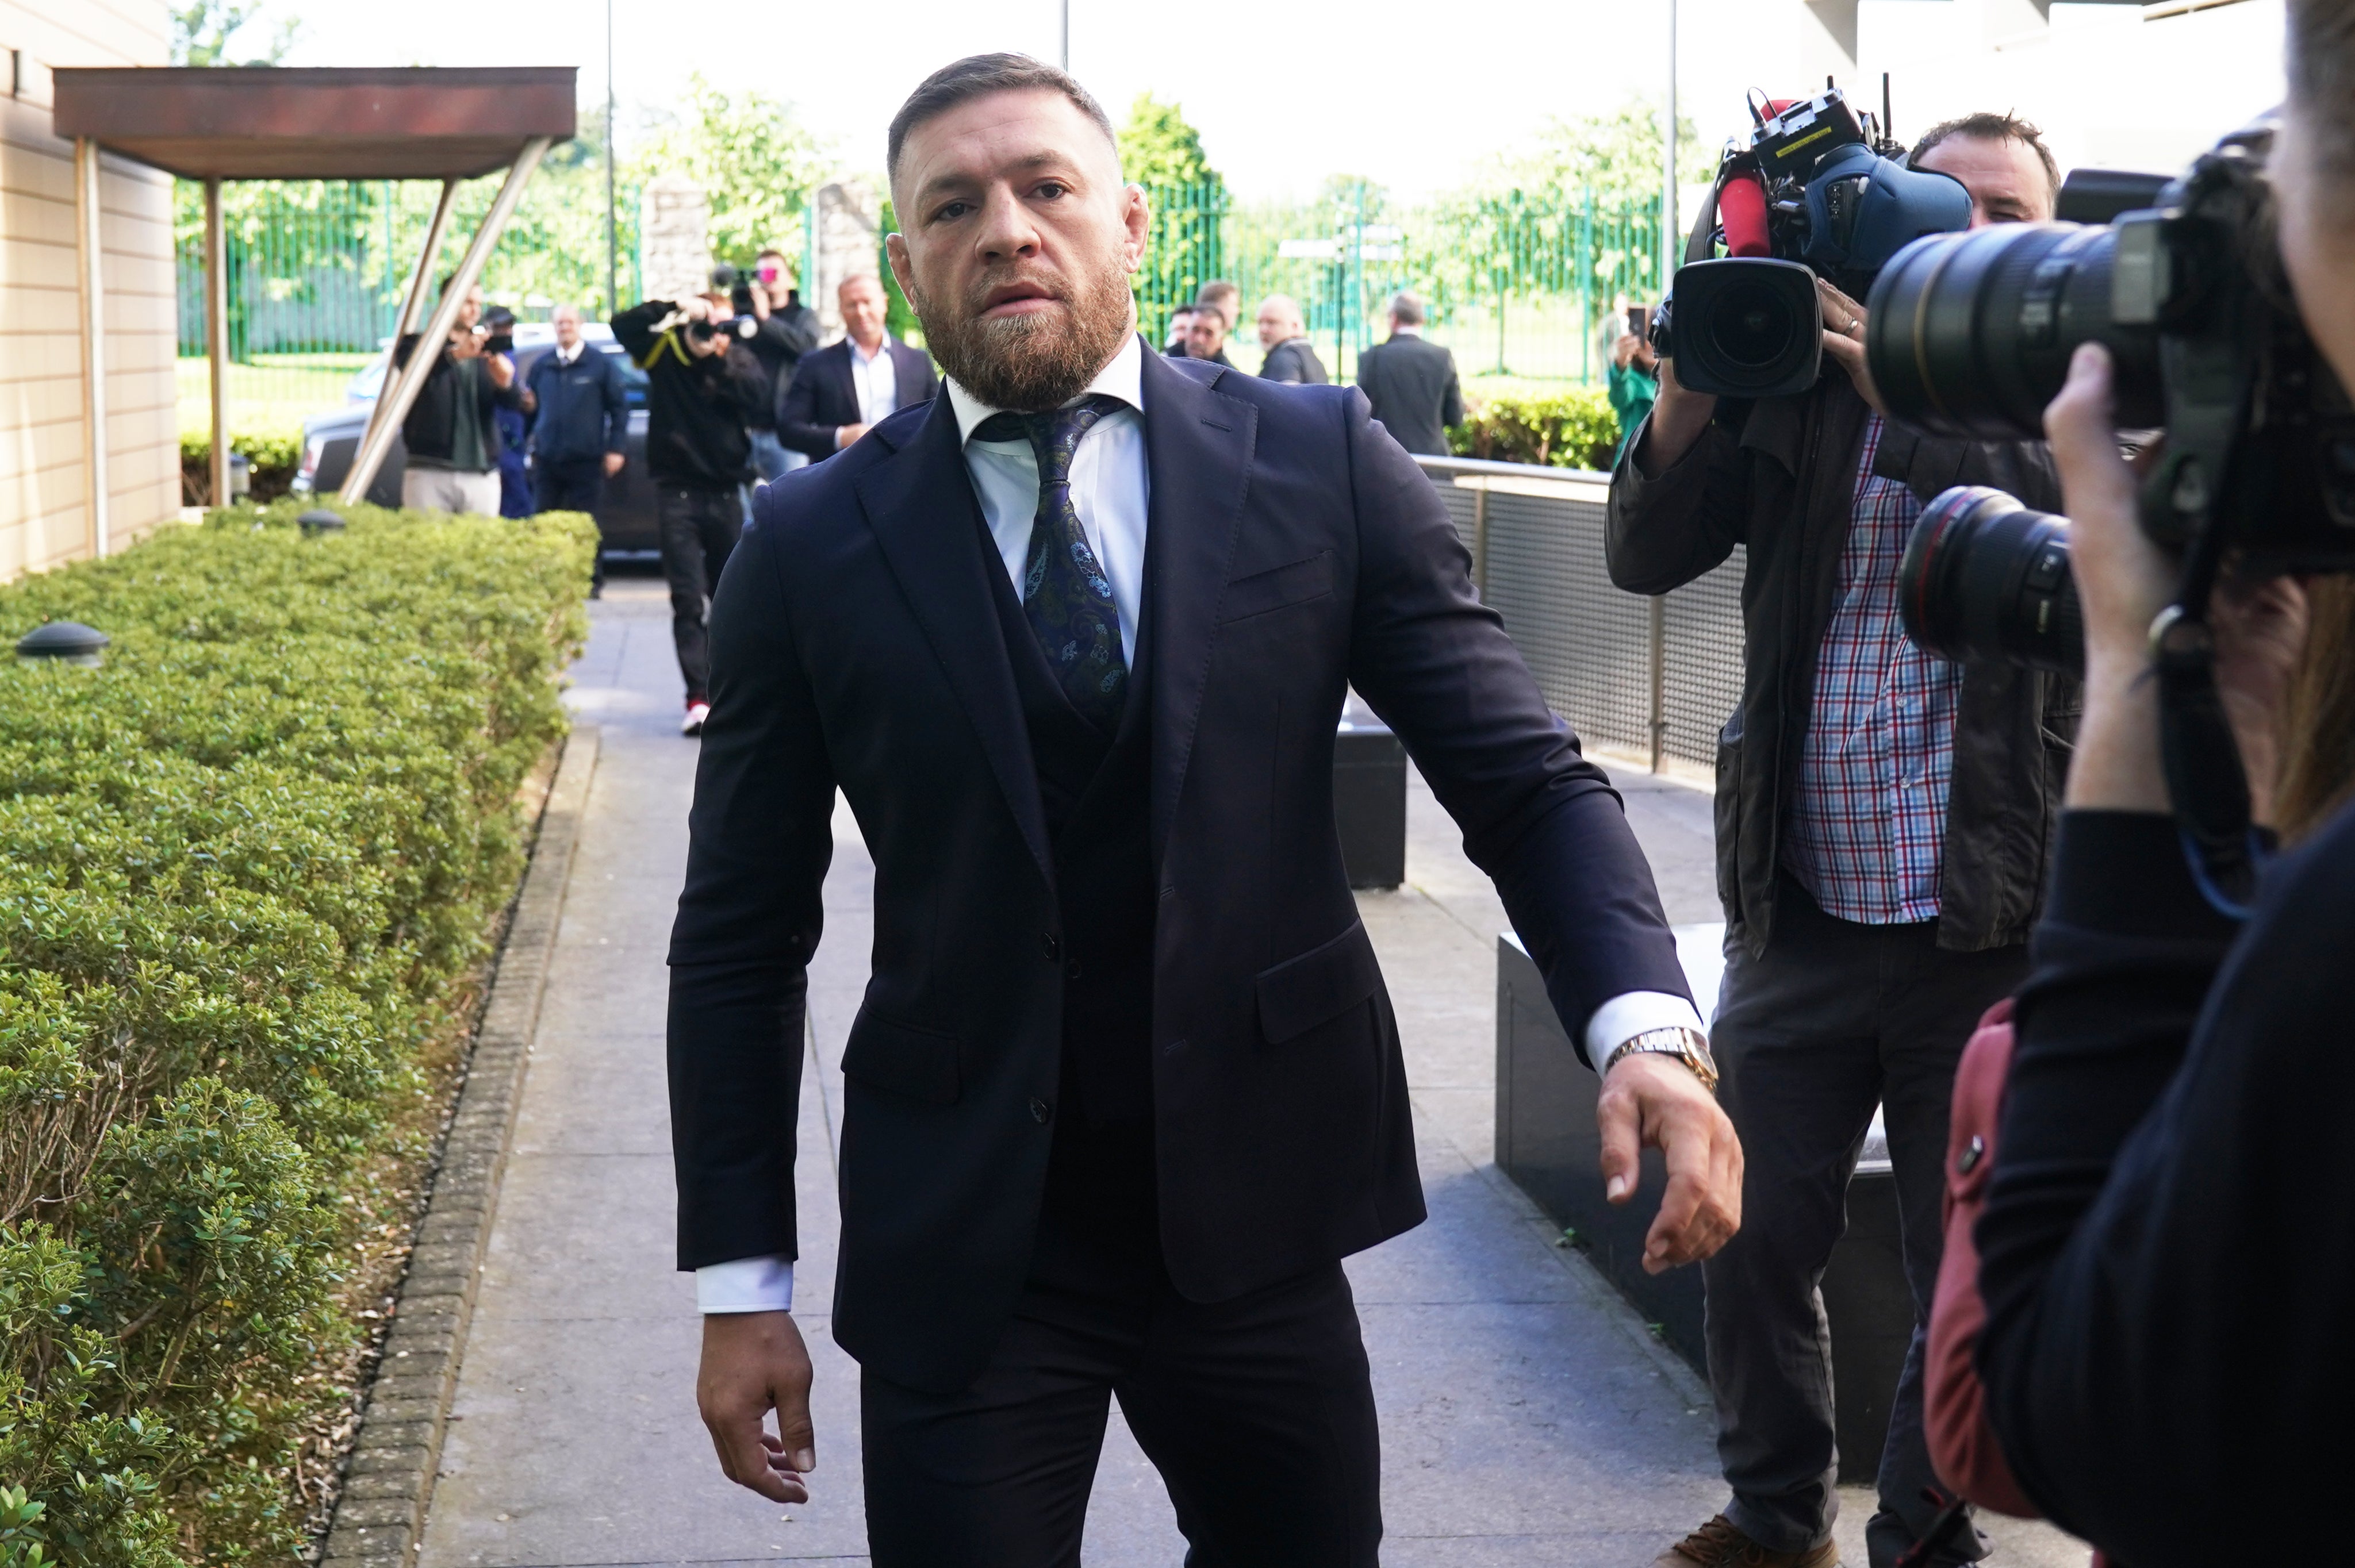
797 426
633 329
790 335
759 836
1928 464
2166 1318
1451 406
614 395
1539 818
1283 366
1661 533
743 385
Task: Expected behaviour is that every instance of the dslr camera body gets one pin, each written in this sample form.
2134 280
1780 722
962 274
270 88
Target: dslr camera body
1971 334
1819 191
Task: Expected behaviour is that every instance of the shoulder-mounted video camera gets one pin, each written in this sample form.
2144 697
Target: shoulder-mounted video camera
1817 192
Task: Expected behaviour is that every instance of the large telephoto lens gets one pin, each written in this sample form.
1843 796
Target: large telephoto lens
1986 579
1970 334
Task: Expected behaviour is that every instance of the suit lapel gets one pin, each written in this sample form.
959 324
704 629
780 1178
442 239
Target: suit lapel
920 506
1198 445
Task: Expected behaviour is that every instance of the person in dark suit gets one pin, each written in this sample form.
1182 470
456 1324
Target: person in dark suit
840 390
1412 384
1073 641
1285 337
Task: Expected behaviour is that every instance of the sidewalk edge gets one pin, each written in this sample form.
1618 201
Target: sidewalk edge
389 1481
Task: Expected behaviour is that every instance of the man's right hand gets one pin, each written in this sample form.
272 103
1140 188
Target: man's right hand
1678 419
754 1362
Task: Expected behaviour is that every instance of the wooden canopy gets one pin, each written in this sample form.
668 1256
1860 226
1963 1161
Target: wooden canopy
278 123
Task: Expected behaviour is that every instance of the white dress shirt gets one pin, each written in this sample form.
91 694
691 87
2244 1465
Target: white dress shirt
872 377
1109 492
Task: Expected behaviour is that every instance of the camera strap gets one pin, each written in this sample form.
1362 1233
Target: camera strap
2198 755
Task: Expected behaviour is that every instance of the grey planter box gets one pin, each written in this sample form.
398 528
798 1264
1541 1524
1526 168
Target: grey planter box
1546 1141
1369 798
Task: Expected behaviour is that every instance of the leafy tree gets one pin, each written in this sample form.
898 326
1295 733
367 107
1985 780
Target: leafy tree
1157 148
758 162
201 31
1615 155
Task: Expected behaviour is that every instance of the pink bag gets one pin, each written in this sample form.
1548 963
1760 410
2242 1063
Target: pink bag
1962 1445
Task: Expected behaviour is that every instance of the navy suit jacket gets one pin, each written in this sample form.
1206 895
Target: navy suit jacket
1292 551
822 398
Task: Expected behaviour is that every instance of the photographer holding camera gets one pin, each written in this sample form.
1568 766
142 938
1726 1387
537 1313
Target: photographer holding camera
1881 820
451 431
2166 1249
704 387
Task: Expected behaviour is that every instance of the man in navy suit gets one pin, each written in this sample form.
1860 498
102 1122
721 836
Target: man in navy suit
1072 641
840 390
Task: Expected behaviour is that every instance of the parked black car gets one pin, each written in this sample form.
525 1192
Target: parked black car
625 517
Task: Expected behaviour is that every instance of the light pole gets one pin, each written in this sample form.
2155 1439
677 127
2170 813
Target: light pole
1669 247
1067 35
614 227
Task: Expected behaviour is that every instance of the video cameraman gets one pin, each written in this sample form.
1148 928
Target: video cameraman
703 390
451 429
2169 1246
783 329
1881 825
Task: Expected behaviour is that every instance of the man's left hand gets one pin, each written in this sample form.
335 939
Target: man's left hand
1655 1101
1844 341
614 461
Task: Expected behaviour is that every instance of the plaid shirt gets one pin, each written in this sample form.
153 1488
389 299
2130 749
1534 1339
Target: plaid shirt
1869 828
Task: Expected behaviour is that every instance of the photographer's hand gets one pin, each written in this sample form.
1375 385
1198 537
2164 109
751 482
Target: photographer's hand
1844 341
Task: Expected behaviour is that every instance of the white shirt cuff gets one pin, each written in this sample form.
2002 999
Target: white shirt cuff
746 1285
1628 1015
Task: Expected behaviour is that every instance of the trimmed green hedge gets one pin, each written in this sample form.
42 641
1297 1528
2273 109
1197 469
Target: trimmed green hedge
1574 429
275 454
242 867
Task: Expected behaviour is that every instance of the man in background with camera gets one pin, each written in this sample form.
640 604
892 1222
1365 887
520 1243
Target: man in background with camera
1882 819
703 389
451 431
783 329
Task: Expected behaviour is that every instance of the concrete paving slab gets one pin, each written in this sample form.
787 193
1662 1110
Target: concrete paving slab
1529 1419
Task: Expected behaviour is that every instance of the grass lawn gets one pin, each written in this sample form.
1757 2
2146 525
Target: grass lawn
274 392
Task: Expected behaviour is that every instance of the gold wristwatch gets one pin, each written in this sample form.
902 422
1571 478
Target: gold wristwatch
1687 1045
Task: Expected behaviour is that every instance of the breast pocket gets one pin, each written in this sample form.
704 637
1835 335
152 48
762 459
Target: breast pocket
1281 587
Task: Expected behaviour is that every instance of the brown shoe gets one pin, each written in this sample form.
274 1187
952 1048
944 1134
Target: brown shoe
1718 1544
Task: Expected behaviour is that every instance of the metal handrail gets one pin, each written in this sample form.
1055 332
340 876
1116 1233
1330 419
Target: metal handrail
1508 470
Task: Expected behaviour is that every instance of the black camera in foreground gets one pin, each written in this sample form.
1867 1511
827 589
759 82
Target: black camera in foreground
1817 191
1971 334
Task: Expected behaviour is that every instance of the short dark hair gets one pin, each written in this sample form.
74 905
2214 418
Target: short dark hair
1987 127
2322 62
978 76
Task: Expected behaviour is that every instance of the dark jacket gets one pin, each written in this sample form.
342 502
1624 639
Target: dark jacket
697 409
1294 551
430 430
779 342
1778 476
1292 361
823 398
2166 1251
580 411
1411 385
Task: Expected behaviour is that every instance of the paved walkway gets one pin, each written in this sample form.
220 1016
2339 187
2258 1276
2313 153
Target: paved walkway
1528 1417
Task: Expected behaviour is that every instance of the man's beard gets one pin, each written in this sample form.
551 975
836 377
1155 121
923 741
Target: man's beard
1034 362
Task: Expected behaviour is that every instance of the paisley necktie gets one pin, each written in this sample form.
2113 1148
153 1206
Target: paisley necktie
1066 597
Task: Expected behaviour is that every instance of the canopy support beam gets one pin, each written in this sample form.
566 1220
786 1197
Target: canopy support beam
216 333
428 256
394 402
89 235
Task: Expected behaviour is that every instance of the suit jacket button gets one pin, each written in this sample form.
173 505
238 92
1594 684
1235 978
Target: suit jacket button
1073 969
1053 948
1041 1112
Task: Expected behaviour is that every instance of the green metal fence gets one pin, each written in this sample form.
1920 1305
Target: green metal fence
316 270
1516 283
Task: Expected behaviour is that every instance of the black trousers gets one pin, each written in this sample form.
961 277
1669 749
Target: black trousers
1835 1018
699 530
1258 1411
571 484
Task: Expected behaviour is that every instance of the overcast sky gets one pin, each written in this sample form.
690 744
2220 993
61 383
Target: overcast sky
1286 92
